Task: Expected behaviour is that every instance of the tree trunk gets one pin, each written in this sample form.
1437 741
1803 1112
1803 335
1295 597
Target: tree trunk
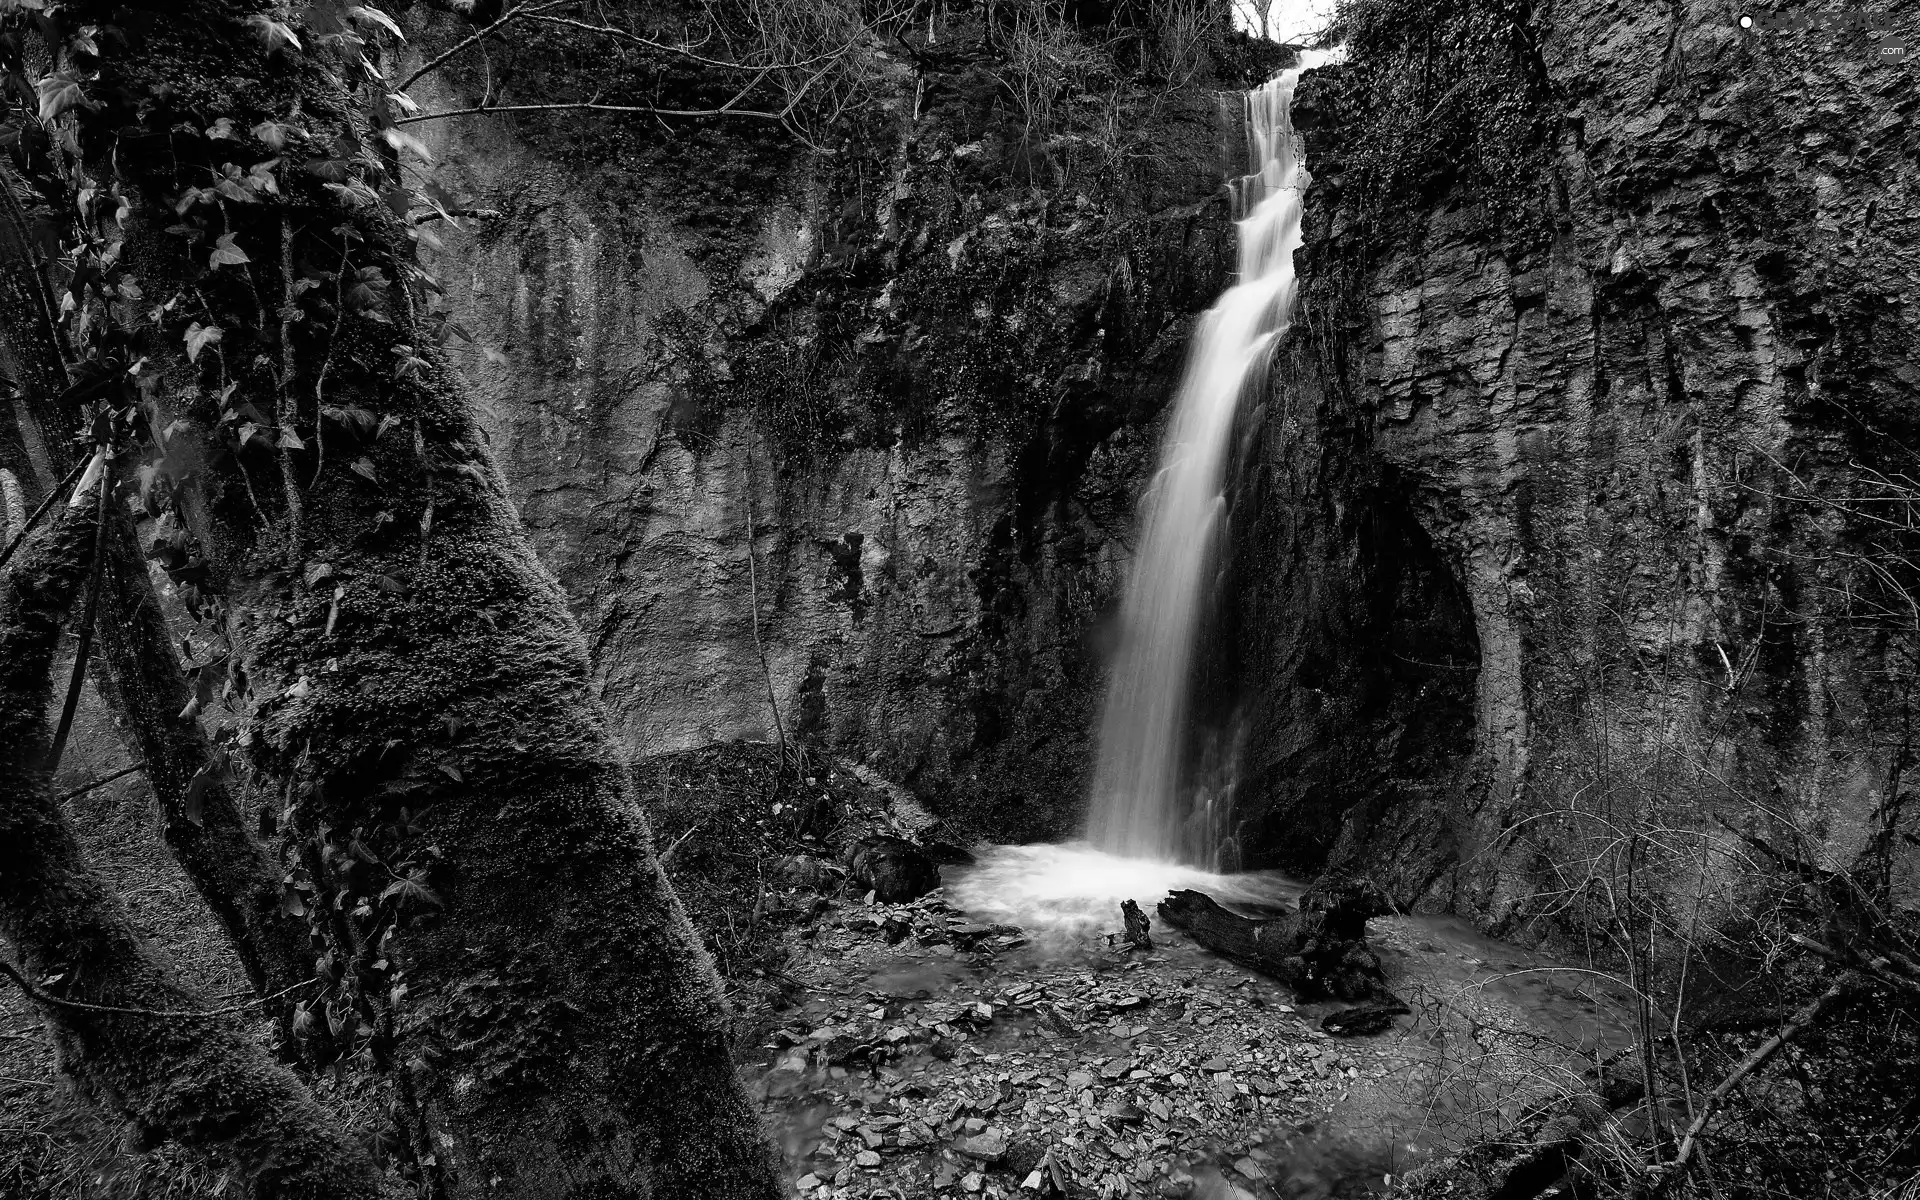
500 932
202 825
123 1028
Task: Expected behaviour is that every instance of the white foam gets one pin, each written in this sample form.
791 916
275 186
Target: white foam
1074 890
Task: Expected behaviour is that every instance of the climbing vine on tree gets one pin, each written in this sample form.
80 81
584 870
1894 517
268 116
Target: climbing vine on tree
229 212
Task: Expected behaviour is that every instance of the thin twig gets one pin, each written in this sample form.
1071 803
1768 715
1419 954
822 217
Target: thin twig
753 597
584 106
687 53
284 407
478 36
84 648
12 972
326 361
691 830
84 788
1844 987
45 504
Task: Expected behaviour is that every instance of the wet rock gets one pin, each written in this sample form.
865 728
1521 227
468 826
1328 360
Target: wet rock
1363 1020
1023 1157
1125 1113
987 1147
808 871
1345 903
894 869
949 853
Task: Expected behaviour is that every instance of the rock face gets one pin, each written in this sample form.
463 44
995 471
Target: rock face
927 380
1597 505
1523 510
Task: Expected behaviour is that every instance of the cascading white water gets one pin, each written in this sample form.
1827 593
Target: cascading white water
1138 808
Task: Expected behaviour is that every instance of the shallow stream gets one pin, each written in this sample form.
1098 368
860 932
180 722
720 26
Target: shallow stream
948 1047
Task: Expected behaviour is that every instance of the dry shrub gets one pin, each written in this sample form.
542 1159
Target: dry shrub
817 55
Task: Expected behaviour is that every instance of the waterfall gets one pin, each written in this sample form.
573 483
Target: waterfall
1139 809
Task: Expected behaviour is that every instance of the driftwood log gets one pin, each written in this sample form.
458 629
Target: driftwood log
1320 951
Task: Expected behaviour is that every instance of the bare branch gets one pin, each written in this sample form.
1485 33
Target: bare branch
53 494
687 52
1842 989
475 38
33 993
586 106
104 780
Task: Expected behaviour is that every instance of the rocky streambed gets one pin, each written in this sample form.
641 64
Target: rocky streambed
930 1051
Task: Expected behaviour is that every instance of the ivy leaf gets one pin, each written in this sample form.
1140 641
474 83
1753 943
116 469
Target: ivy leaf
233 189
276 134
318 571
363 467
260 177
289 440
225 253
58 93
413 888
199 337
355 418
371 15
410 365
369 291
223 128
329 170
276 35
401 140
354 194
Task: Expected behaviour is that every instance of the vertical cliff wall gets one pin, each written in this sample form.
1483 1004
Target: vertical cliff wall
1597 464
931 366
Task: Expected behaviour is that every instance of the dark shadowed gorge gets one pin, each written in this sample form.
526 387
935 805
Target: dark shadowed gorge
576 573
